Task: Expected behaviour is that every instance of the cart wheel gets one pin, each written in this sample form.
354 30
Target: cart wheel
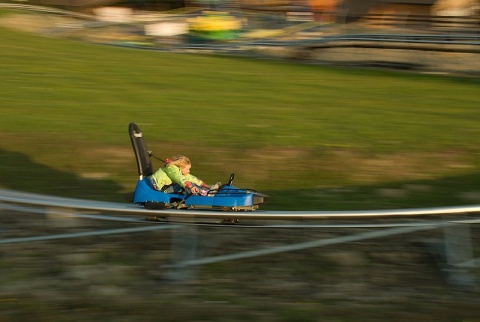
154 205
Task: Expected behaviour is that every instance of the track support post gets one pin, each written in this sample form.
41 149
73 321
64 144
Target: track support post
183 249
458 253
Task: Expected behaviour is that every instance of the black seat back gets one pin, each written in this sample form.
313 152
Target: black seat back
141 153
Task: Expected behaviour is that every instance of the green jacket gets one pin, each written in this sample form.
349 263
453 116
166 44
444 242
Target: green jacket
171 174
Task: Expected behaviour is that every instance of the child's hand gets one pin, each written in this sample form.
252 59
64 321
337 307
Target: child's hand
195 190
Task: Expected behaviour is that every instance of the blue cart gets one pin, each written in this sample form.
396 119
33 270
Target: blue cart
226 197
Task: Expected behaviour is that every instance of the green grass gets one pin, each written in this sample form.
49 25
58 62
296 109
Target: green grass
312 137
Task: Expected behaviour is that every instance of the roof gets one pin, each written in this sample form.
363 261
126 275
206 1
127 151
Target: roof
361 7
419 2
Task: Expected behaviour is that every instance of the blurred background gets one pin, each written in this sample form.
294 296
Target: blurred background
322 105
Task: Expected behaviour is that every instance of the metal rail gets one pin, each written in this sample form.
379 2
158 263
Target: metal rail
457 254
305 245
441 39
85 234
47 10
263 224
42 200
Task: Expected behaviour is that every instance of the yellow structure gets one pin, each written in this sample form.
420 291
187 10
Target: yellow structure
214 25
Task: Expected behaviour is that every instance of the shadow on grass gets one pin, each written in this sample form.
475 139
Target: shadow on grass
447 191
19 172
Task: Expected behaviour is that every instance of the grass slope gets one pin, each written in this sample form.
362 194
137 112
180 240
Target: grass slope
312 137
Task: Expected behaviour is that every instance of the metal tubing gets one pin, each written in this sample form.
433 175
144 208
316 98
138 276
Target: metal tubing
40 200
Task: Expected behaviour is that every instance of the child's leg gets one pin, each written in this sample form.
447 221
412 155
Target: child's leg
173 188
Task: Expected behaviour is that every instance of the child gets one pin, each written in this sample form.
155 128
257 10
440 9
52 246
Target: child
176 175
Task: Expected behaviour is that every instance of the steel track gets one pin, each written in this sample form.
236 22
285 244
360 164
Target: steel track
24 198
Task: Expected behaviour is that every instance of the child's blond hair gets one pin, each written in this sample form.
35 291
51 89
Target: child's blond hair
180 161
